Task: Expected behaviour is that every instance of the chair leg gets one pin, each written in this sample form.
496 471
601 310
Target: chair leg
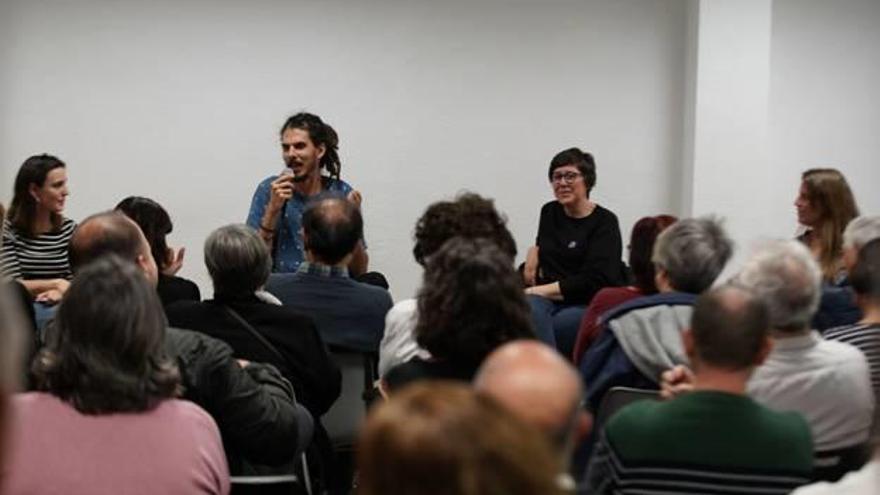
306 478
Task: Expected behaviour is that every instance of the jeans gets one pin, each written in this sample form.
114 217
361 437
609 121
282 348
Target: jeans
556 323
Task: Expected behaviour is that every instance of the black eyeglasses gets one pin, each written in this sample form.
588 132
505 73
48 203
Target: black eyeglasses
567 177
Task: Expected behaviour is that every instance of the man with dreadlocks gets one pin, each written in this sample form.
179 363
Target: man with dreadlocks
308 146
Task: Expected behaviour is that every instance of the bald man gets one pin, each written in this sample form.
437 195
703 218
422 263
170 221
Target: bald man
539 386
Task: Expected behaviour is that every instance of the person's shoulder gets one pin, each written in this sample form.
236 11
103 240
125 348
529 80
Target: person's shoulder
605 214
551 207
337 185
186 411
845 332
638 420
838 351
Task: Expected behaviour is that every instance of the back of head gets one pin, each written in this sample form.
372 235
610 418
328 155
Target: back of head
829 194
471 301
321 134
332 228
106 352
860 231
536 384
693 253
153 221
441 438
865 276
729 327
23 209
584 162
469 216
103 234
641 248
237 260
784 275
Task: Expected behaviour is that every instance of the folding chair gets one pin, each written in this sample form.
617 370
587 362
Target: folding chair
359 373
616 399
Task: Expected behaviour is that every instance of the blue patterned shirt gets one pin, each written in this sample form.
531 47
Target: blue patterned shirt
287 251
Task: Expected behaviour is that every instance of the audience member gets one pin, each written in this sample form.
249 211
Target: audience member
865 334
828 382
308 145
13 338
348 313
443 439
238 262
541 388
641 245
838 307
156 224
470 303
642 337
36 235
825 205
714 439
469 216
252 404
576 253
107 398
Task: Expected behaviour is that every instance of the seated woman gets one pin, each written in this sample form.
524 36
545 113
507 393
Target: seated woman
239 265
470 302
641 247
825 206
444 439
106 418
156 224
35 234
577 251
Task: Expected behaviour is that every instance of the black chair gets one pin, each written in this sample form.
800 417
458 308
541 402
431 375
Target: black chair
831 465
359 373
616 399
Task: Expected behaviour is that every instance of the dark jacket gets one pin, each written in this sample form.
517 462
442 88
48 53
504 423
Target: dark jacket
254 407
316 380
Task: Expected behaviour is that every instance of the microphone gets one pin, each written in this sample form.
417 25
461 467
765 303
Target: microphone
296 178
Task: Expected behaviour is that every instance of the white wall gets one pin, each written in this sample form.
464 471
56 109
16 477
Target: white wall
825 102
181 100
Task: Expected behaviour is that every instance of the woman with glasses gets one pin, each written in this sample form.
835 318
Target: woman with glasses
577 251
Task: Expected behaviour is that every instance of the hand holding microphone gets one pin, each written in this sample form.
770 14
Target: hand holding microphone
282 190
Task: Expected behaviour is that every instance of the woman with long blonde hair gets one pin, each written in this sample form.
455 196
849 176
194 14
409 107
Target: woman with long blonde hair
825 205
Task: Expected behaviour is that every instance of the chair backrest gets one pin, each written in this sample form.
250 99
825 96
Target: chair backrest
288 484
616 399
831 465
359 373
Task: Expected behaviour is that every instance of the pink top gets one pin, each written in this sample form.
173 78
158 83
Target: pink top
54 449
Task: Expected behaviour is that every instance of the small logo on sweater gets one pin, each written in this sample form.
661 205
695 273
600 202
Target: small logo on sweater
572 244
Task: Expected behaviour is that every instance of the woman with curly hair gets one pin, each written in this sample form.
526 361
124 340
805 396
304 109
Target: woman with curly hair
106 418
471 301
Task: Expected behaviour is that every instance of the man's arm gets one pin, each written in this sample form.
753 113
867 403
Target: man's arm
253 405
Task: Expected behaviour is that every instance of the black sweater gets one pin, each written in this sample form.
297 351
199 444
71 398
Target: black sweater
582 254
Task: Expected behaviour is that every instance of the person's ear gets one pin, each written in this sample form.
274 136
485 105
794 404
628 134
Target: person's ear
321 150
34 190
584 426
766 349
687 338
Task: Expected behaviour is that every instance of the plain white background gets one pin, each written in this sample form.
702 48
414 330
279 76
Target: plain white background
181 101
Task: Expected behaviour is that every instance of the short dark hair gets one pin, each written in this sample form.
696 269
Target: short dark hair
729 326
641 247
109 232
332 228
471 301
106 351
321 134
584 162
153 221
469 216
23 209
237 260
865 275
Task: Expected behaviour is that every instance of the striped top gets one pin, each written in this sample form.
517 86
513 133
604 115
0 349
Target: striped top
865 337
41 257
703 442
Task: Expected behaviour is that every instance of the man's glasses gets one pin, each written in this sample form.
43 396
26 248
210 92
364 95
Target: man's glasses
566 177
